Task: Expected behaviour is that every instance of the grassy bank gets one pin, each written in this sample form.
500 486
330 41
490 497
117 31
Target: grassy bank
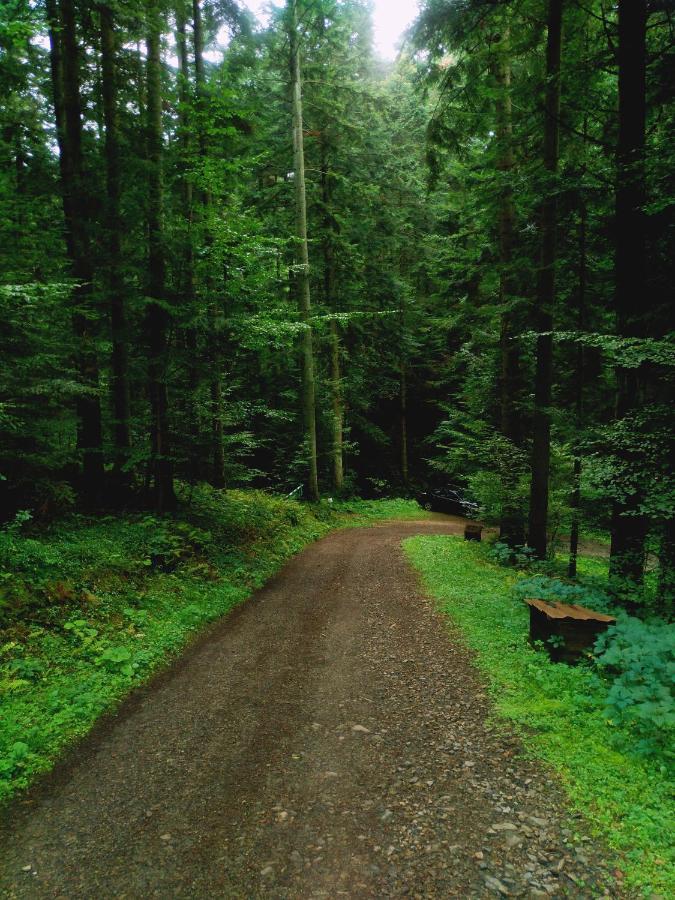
91 607
559 710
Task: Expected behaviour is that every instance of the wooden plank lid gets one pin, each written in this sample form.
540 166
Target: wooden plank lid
556 610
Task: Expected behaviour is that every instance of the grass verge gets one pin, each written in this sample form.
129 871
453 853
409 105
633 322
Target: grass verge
558 710
364 511
91 607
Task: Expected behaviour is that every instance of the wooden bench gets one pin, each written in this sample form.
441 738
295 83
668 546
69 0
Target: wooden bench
568 631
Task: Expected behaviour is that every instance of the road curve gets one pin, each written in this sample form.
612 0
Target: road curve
327 739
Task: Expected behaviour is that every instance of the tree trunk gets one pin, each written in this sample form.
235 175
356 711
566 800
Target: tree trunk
157 317
330 298
403 412
141 82
187 280
302 280
200 82
628 528
218 442
187 285
575 497
216 388
541 438
512 525
666 589
115 281
338 407
65 72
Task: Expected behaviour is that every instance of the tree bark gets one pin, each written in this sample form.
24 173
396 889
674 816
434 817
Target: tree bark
512 524
65 73
338 407
627 552
302 265
666 589
157 317
330 298
545 299
200 81
115 281
575 496
403 413
141 82
218 442
216 388
188 293
188 286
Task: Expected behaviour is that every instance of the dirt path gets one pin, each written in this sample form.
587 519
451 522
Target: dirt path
327 740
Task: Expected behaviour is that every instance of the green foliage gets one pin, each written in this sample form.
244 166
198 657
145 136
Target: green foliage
635 657
372 510
82 631
544 587
632 459
639 657
484 149
15 760
628 352
408 266
28 668
37 391
560 710
506 555
118 659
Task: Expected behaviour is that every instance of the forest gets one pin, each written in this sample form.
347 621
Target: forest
244 260
289 262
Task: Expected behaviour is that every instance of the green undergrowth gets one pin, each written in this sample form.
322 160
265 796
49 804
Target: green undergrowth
376 510
91 607
559 710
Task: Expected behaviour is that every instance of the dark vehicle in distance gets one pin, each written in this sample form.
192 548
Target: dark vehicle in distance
448 500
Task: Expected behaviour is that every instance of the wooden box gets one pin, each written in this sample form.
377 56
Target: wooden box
472 532
568 631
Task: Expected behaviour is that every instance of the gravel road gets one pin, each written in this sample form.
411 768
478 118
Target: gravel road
330 738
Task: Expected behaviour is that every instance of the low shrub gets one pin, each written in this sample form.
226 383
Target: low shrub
639 659
505 555
585 593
